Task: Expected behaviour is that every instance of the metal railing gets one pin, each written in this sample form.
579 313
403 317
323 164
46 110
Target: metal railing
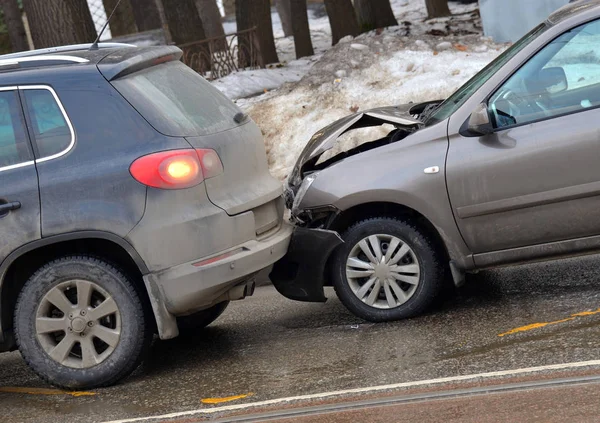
218 57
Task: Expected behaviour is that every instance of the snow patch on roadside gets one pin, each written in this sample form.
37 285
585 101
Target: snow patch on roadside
258 81
420 59
411 16
289 119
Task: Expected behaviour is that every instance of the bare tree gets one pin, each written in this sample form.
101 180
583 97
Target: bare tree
285 15
146 14
437 8
301 29
229 6
59 22
185 26
211 18
14 24
373 14
342 19
257 13
184 21
123 21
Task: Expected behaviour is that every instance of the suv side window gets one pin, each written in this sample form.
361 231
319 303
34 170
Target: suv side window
562 78
51 132
14 147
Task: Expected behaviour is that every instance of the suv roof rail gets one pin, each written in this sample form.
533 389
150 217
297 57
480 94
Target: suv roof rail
61 49
44 58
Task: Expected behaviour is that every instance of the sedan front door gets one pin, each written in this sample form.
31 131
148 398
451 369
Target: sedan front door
536 178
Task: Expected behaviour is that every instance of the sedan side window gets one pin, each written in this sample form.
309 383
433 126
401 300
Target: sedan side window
50 129
14 148
562 78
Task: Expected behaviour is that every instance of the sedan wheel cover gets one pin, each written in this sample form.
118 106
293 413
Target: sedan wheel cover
78 324
383 271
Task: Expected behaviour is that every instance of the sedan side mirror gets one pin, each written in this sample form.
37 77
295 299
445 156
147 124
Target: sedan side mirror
553 80
479 122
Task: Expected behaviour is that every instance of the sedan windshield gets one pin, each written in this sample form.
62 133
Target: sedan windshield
457 99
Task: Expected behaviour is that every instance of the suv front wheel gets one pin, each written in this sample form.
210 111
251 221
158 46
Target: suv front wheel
80 324
387 269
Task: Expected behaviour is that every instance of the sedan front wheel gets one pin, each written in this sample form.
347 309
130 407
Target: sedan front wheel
387 270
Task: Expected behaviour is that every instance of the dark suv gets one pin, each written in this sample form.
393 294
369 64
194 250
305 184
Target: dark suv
134 197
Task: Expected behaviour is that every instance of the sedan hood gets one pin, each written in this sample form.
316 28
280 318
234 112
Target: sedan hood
325 139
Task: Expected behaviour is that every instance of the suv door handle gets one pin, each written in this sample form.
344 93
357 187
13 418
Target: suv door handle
13 205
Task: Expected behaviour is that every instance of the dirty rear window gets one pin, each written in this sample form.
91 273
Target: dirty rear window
177 101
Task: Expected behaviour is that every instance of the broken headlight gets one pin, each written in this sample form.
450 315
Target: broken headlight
306 183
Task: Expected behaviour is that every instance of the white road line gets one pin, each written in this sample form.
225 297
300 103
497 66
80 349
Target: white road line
323 395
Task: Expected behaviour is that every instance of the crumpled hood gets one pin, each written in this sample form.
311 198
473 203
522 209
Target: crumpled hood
325 139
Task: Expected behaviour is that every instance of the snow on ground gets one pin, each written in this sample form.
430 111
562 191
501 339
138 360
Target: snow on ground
396 74
416 61
411 16
251 82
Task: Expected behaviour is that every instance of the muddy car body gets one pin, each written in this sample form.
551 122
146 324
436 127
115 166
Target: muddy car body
502 172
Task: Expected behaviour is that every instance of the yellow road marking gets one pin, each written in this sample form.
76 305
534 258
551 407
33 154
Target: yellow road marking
226 399
544 324
43 391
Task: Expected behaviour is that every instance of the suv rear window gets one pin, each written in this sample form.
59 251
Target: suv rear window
50 130
177 101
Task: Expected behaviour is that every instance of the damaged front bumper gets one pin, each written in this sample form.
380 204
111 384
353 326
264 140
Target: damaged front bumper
300 275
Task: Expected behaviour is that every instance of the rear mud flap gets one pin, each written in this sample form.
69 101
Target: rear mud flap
300 275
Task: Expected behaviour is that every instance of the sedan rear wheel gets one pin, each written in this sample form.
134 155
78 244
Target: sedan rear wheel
387 270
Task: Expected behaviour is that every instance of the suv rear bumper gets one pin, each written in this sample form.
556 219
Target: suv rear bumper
195 285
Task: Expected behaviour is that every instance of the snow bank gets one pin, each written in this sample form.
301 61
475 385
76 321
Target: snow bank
289 118
410 14
419 60
251 82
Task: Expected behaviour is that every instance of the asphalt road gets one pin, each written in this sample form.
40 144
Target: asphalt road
267 347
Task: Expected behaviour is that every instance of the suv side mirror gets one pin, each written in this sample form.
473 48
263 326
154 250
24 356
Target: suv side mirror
479 122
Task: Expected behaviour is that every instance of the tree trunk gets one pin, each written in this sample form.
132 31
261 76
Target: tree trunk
229 6
211 18
146 15
373 14
384 15
257 13
163 21
285 15
365 15
184 21
437 8
59 22
123 21
342 19
185 27
301 30
14 24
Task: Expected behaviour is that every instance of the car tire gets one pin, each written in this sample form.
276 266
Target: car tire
80 323
194 322
419 271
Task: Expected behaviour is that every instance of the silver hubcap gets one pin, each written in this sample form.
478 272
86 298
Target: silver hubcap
383 271
78 324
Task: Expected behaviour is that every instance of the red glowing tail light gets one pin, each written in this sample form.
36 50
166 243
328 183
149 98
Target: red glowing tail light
176 169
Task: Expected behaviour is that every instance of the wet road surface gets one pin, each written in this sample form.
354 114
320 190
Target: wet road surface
267 347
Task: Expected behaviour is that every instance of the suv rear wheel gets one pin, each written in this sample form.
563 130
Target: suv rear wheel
387 270
80 324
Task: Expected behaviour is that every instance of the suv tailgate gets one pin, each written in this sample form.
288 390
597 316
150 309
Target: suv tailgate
246 182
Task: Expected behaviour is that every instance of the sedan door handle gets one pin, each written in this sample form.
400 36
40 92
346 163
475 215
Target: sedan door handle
6 207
